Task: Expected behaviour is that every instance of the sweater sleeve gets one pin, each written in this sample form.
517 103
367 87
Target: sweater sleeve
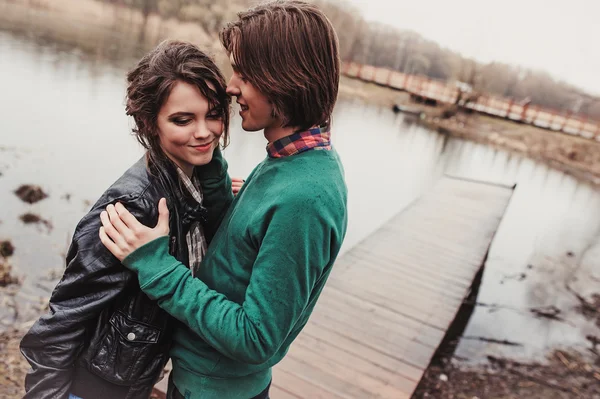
291 258
216 191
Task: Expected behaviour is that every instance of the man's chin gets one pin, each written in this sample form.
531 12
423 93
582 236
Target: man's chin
250 127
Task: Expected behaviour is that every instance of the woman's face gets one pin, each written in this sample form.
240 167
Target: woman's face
188 128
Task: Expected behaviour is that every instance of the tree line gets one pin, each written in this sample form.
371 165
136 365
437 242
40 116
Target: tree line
401 50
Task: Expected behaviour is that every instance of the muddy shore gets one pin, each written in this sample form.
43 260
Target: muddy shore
565 376
13 366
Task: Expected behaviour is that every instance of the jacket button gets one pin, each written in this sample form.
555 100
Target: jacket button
130 336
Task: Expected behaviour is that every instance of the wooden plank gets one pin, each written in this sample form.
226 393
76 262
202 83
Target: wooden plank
398 347
409 287
386 341
277 392
306 342
363 350
355 381
397 302
330 381
401 272
291 382
430 278
374 314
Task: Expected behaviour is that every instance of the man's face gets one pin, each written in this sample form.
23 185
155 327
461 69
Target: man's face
256 110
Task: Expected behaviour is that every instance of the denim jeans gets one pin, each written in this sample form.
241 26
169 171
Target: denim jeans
173 392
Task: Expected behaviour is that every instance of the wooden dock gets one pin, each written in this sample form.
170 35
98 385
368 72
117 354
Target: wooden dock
390 299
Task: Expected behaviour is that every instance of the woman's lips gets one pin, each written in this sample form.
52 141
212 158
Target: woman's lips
202 148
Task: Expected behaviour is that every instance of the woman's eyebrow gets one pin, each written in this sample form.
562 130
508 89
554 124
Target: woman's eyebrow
181 113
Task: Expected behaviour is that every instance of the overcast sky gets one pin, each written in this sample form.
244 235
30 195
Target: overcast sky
559 36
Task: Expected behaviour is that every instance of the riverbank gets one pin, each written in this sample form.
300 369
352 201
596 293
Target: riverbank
565 376
573 155
13 366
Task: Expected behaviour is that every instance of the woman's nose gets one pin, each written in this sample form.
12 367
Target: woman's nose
202 131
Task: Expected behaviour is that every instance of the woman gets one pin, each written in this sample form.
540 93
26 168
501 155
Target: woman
103 337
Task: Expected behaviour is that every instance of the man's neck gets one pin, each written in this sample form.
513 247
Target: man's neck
275 133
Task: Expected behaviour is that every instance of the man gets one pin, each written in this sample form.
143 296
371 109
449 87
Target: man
270 258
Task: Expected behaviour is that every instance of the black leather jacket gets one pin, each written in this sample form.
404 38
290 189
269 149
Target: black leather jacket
100 323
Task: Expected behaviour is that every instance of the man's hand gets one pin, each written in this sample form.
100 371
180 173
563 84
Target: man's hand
122 233
236 184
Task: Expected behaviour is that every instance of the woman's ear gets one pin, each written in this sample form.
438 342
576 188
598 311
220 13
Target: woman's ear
274 112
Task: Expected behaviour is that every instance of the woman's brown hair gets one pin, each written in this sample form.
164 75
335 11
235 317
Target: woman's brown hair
151 81
289 51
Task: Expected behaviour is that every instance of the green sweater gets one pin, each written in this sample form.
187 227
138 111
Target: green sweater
260 279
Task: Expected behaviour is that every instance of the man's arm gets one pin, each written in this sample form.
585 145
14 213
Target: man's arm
90 283
291 258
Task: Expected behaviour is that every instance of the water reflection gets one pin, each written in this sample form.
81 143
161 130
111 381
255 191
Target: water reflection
544 243
64 128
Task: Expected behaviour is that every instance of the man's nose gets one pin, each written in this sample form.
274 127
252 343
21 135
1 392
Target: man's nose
232 88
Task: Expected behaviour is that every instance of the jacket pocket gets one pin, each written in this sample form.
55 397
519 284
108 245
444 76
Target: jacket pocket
129 351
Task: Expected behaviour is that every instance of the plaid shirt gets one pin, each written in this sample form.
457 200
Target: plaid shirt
195 239
315 138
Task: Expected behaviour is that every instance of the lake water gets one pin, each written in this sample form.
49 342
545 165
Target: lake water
63 127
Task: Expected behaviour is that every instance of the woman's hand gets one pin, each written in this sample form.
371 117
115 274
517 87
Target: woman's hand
236 184
122 233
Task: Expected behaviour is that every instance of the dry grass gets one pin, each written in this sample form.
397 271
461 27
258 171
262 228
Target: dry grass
13 366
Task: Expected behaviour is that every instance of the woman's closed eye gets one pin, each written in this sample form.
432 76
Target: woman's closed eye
181 121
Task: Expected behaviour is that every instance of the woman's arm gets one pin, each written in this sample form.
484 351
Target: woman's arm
91 281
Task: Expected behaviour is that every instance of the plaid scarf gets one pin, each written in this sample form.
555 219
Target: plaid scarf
195 239
315 138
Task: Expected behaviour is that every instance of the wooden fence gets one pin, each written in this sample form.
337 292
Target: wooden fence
507 108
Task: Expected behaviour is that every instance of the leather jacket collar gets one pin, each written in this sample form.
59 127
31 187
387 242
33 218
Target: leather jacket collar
182 202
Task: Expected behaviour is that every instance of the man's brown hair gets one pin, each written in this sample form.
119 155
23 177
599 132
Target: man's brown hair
289 51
